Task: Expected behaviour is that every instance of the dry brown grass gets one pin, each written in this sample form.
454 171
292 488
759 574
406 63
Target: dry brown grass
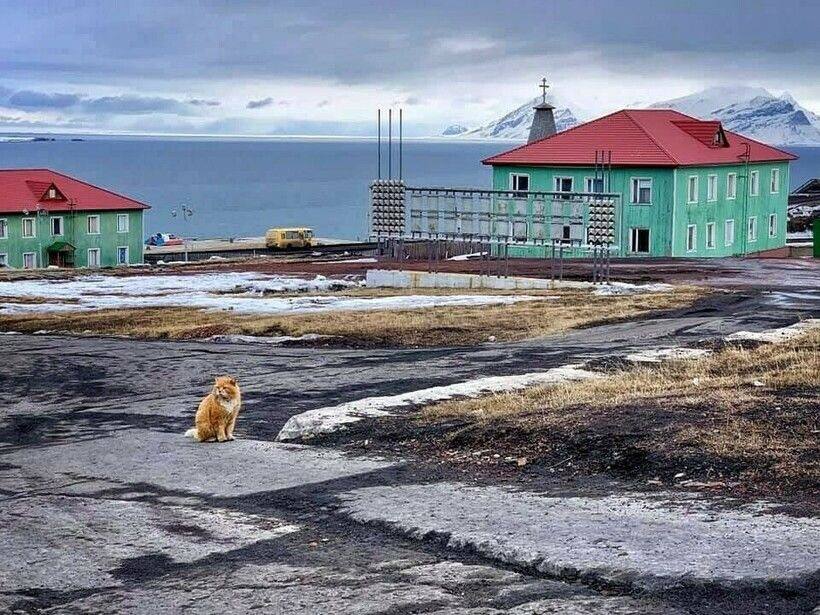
420 327
722 376
704 412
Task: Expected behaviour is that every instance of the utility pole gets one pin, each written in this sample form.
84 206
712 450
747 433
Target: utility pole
186 213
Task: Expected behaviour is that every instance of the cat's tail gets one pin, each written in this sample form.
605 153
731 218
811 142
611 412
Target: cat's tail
192 433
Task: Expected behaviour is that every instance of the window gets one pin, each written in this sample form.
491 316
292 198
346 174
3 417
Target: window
752 230
29 260
710 235
692 190
519 182
52 193
711 188
641 190
93 225
93 257
729 232
29 227
566 232
754 183
57 226
731 186
562 184
639 240
772 225
691 238
4 260
4 228
122 223
775 182
592 184
122 255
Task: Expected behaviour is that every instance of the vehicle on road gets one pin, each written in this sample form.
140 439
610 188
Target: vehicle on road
287 238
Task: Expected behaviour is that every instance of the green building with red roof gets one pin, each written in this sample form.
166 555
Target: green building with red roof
688 187
48 218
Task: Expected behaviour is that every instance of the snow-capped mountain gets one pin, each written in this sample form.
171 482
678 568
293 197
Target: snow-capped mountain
754 112
516 124
453 130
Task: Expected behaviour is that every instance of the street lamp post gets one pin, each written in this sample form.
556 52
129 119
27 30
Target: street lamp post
186 213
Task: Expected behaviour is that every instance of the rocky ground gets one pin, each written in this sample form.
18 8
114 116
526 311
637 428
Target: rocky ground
108 509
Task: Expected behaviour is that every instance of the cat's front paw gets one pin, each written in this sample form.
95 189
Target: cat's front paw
231 438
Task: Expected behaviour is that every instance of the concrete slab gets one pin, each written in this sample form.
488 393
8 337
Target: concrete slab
173 462
635 540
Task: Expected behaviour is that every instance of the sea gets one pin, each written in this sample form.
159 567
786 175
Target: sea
241 187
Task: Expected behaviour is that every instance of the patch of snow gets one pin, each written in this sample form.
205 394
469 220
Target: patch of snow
333 418
659 355
625 288
466 257
361 260
774 336
246 293
275 340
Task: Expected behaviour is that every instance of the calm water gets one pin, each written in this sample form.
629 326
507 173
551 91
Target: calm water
242 187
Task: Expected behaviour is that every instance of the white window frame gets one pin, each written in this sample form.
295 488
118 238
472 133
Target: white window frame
633 239
127 223
127 255
751 229
711 188
729 238
62 226
4 259
634 197
754 183
33 228
88 220
4 228
589 185
731 195
33 256
774 181
556 180
694 235
88 258
710 233
689 190
772 225
514 177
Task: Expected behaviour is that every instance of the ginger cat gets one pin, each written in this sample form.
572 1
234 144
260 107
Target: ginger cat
216 416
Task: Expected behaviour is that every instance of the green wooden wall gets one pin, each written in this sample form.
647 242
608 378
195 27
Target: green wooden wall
14 245
669 214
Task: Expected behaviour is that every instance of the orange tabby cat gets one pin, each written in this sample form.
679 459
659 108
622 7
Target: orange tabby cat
216 416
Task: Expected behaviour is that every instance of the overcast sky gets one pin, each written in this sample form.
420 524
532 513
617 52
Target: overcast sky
303 67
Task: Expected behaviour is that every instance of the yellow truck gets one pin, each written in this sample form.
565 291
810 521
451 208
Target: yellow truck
287 238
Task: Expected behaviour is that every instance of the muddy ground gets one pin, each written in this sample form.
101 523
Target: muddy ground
107 509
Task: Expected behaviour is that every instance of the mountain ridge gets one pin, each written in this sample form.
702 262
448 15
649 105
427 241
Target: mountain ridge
751 111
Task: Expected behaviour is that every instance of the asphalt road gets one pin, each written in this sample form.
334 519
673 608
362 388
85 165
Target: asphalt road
107 508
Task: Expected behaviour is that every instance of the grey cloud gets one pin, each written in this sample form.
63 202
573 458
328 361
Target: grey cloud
134 105
355 42
202 102
323 103
28 99
258 104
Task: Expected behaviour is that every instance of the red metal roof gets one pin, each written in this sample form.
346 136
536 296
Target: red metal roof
27 190
641 137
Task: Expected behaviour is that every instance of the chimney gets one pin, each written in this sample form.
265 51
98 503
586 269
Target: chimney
543 122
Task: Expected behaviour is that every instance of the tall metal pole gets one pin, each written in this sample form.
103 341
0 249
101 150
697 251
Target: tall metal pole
379 121
390 144
401 141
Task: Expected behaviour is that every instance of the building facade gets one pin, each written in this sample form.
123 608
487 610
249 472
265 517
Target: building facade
687 187
47 218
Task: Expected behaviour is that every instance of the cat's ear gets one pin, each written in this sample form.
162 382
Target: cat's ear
232 380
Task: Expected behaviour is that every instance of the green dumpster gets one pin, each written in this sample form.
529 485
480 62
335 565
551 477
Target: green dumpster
816 233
